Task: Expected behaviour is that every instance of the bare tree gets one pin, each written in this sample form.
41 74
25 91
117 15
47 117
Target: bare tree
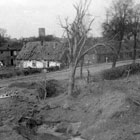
115 25
2 32
76 35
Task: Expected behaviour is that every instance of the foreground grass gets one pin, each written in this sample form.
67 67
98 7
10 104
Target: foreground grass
103 110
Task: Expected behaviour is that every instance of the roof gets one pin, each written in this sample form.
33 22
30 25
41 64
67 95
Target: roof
4 56
11 46
35 51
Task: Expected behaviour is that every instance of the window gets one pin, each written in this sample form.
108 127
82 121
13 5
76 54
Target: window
34 63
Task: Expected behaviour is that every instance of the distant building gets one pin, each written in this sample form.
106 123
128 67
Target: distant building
102 54
9 52
41 32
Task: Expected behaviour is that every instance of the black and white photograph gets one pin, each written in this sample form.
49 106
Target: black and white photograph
69 69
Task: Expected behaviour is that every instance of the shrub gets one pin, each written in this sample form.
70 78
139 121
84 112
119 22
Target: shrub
51 86
33 71
76 91
53 68
6 75
28 71
19 72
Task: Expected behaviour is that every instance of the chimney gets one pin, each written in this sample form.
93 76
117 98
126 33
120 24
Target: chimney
41 32
42 35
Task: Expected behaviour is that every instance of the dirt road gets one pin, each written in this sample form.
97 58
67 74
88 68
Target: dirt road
60 75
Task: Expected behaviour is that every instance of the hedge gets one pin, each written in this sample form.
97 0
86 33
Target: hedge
118 72
18 72
25 72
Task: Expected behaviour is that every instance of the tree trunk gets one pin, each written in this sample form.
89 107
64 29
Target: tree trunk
134 48
88 76
71 79
48 64
114 61
117 55
81 68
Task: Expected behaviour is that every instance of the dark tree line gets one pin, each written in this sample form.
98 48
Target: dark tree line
45 38
123 21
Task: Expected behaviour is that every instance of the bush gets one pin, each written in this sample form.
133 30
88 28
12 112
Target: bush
26 72
118 72
51 86
53 68
6 75
19 72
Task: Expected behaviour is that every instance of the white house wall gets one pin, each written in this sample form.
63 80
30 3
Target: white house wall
53 64
26 64
38 64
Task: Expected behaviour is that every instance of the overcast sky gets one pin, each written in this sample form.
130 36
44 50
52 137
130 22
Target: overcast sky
22 18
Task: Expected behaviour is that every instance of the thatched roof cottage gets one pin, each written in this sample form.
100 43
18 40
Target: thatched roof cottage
40 54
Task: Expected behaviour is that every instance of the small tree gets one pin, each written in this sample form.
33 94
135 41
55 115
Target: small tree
3 36
76 35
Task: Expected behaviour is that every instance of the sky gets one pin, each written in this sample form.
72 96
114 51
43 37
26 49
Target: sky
22 18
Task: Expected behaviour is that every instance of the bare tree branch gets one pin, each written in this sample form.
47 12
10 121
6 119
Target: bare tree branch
91 48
